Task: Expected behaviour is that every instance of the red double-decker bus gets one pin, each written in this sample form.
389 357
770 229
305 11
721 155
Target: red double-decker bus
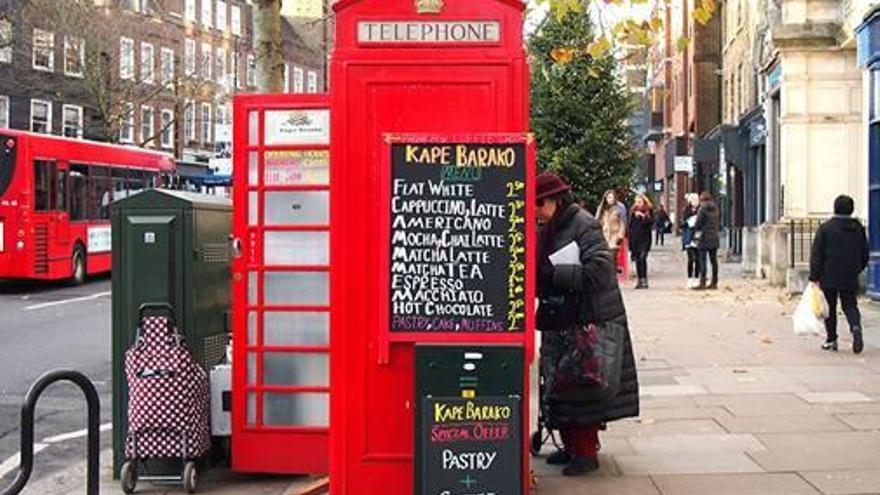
55 195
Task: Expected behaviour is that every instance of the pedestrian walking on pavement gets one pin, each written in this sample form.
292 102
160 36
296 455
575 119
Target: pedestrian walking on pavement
572 295
689 239
613 221
839 254
661 225
707 226
640 224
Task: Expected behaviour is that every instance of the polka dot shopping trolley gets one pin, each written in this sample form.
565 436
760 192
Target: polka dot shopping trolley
169 402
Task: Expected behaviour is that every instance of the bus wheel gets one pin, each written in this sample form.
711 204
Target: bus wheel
78 262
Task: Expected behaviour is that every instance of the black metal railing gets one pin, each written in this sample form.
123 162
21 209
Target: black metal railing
27 429
800 239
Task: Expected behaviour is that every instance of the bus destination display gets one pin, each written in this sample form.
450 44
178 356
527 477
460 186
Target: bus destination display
457 237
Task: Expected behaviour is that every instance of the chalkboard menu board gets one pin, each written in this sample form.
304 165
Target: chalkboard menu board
457 237
471 446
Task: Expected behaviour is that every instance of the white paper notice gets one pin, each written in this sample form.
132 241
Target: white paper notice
568 255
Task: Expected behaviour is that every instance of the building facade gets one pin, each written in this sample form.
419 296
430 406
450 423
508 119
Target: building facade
684 76
151 73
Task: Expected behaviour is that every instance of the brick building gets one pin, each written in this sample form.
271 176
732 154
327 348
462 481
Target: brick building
152 73
687 80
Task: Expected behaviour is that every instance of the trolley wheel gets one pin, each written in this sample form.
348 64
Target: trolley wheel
537 441
128 477
78 264
190 477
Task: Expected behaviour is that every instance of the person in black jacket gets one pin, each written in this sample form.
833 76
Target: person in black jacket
707 227
839 254
661 225
641 219
571 296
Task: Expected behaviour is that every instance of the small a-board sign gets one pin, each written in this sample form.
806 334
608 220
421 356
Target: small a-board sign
471 446
457 236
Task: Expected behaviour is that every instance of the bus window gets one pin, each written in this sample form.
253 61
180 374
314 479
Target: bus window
136 181
79 192
120 185
100 194
44 184
61 191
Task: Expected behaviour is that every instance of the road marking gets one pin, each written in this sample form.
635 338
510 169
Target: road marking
75 434
13 462
67 301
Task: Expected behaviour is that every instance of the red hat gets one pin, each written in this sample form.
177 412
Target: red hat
550 184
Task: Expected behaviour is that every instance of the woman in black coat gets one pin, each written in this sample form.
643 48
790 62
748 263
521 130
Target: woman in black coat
641 220
573 295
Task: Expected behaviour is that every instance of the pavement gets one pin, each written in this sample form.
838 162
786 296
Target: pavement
732 403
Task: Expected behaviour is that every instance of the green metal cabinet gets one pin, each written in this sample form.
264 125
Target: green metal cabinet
169 246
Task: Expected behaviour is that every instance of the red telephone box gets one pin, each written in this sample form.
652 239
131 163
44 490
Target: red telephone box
447 75
281 284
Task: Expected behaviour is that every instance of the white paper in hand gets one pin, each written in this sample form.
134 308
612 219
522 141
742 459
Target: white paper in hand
568 255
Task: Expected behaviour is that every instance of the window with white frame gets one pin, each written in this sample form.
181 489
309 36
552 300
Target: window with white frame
44 50
167 134
207 60
126 124
74 56
189 10
220 123
41 116
235 19
221 16
4 112
313 82
189 122
126 58
190 57
167 66
72 120
298 82
251 71
220 57
148 63
5 41
207 12
286 78
206 123
148 120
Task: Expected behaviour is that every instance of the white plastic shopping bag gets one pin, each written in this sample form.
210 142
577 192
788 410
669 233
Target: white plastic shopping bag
809 317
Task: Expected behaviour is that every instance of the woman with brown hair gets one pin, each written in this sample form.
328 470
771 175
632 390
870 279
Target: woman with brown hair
613 220
641 221
573 295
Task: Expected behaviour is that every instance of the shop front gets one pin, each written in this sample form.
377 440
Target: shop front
868 36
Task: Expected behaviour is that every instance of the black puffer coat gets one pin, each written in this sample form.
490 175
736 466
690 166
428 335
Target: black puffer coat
840 253
589 293
708 226
640 233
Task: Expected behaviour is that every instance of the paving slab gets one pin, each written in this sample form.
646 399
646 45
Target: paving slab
684 413
761 405
819 451
672 390
845 482
734 484
695 444
653 463
861 421
835 397
783 424
597 485
645 427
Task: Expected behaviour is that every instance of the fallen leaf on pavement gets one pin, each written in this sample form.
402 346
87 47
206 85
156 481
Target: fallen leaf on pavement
740 371
647 421
767 340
